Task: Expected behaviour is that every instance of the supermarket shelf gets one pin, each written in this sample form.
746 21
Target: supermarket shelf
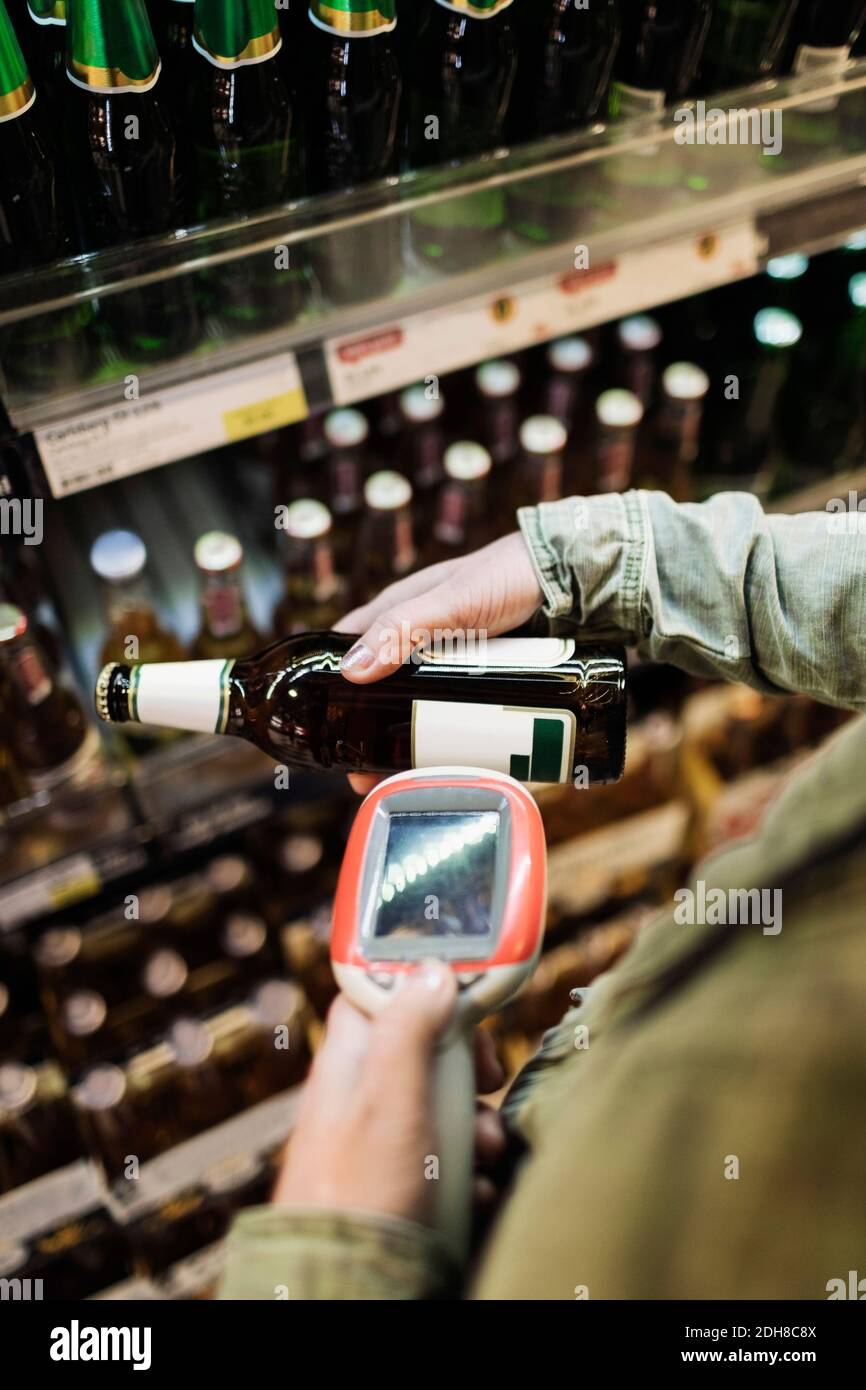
588 227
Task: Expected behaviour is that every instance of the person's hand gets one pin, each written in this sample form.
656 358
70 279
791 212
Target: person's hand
366 1125
494 590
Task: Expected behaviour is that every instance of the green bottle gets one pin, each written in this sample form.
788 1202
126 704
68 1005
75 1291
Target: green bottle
126 167
353 90
247 157
48 350
746 42
47 42
172 26
459 95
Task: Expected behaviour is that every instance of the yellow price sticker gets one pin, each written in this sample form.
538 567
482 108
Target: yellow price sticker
72 890
270 414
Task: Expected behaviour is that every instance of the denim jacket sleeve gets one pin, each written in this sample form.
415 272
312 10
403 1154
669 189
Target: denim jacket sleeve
719 588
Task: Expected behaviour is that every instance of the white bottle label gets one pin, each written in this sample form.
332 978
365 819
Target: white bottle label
191 695
497 653
533 745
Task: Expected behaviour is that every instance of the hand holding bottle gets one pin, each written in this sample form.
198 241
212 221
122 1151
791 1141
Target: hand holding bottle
494 589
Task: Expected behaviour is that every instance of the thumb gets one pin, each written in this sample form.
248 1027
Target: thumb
405 1034
393 635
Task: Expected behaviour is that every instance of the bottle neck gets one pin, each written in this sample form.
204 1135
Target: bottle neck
236 33
28 674
190 695
110 47
310 568
354 19
223 611
460 504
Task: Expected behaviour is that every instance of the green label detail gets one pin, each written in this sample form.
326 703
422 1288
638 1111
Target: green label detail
234 32
16 89
354 16
47 11
480 9
110 46
544 763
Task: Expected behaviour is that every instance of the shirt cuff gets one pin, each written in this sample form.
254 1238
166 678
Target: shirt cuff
280 1253
590 556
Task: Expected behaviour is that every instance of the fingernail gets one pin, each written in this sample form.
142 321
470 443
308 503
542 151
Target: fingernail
433 974
358 658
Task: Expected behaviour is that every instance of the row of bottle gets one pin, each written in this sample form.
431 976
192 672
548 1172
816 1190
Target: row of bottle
220 132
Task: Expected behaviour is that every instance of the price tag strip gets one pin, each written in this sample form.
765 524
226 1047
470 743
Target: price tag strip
131 437
447 339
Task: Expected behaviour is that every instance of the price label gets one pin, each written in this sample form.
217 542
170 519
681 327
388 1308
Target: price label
447 339
49 889
162 426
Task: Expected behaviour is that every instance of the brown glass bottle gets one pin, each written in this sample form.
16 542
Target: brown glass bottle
119 559
539 469
386 542
46 728
498 385
568 361
618 415
674 435
545 710
639 339
226 629
347 434
37 1129
315 594
463 519
422 439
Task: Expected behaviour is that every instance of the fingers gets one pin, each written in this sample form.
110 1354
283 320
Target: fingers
339 1062
393 632
360 618
405 1033
489 1073
364 782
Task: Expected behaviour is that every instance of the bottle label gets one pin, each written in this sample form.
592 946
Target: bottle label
360 18
223 610
477 9
17 93
47 11
111 48
192 695
533 745
237 36
505 654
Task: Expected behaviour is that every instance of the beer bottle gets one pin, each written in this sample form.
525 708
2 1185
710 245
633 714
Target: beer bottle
618 415
540 710
315 593
226 629
386 543
568 362
675 431
567 51
49 350
173 27
347 434
352 102
107 1117
746 42
463 521
498 386
127 169
119 559
200 1093
458 99
422 444
247 153
46 728
539 471
639 338
47 42
37 1129
823 35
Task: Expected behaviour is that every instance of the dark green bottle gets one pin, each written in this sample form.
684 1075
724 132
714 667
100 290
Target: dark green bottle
459 95
746 42
352 107
122 152
49 350
243 125
172 27
47 42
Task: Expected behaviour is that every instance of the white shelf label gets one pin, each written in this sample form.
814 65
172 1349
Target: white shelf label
49 889
162 426
446 339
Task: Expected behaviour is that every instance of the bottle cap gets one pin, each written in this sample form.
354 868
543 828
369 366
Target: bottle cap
276 1001
619 409
218 551
84 1012
18 1086
298 854
498 378
307 519
57 946
639 333
467 461
543 434
228 873
345 428
386 491
418 407
569 355
13 623
243 935
777 328
154 904
190 1042
118 555
790 267
101 1087
165 974
685 381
